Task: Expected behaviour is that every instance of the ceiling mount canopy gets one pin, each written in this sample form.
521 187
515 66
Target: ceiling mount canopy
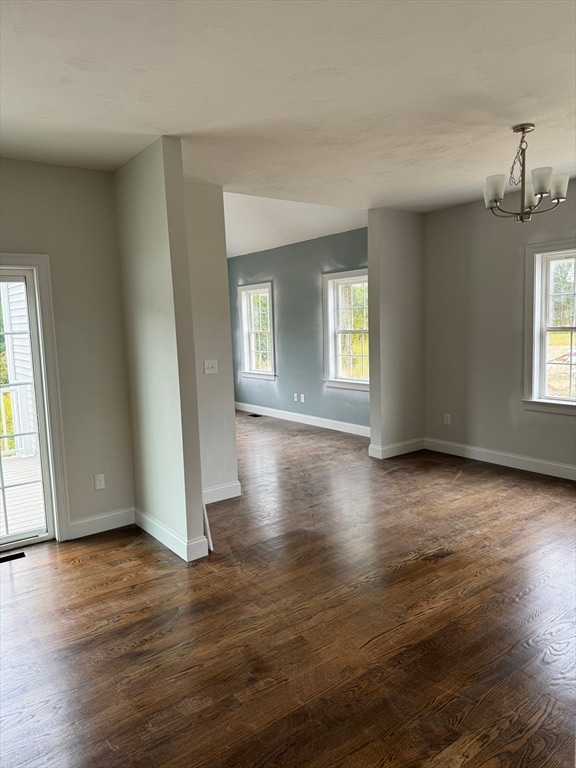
531 194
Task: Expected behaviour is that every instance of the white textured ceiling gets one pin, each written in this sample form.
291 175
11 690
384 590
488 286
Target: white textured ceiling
347 103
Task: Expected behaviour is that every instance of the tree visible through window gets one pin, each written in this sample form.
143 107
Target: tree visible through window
346 327
257 329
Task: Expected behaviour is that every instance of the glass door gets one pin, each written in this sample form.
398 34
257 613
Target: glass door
26 511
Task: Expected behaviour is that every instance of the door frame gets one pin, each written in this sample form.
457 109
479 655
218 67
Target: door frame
39 263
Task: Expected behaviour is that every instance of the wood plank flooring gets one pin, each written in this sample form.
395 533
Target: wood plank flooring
410 613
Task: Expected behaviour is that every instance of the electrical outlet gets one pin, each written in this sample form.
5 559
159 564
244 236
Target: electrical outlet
301 398
447 419
99 482
295 397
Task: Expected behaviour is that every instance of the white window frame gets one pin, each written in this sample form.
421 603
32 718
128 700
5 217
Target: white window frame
331 282
246 330
39 263
538 258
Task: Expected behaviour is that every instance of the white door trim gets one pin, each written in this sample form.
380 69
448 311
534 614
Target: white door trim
40 264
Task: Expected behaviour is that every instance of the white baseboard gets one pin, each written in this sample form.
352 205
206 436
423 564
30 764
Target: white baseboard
304 418
221 492
101 523
187 550
395 449
555 469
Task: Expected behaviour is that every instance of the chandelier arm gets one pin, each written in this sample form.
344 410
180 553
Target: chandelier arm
545 210
500 214
533 208
503 210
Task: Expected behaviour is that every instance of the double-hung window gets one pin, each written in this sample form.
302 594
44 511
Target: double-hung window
346 329
257 329
551 335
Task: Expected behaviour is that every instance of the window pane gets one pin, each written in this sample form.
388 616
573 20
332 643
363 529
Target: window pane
3 361
7 444
264 362
357 344
353 356
561 364
345 344
357 366
558 347
366 338
26 507
561 287
345 295
345 319
359 318
261 352
344 367
561 310
558 381
259 310
562 276
358 295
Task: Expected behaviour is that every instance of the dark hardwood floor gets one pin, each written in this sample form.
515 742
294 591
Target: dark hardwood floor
410 613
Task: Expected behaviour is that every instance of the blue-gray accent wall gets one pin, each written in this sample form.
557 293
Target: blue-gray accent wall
295 272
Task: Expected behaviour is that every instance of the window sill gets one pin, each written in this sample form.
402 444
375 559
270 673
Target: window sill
550 406
256 375
347 384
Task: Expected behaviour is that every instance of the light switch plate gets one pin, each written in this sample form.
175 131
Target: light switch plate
210 366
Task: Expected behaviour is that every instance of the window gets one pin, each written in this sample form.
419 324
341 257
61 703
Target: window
257 327
346 329
551 339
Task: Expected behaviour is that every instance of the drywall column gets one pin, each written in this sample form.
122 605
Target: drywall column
395 295
204 208
159 334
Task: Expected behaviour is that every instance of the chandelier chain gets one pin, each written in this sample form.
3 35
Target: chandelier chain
518 162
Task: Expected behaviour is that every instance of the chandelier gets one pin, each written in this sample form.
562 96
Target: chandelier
531 194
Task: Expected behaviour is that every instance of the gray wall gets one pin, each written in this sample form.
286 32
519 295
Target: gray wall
475 289
68 213
295 272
